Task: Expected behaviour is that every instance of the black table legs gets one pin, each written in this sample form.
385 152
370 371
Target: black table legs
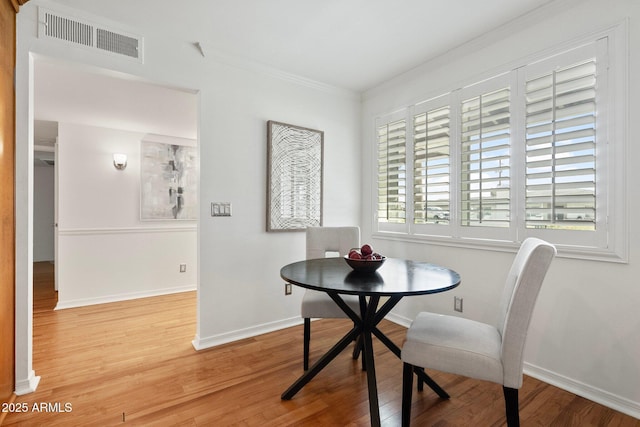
364 327
368 324
321 363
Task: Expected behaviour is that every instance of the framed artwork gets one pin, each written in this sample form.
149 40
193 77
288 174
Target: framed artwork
169 181
294 177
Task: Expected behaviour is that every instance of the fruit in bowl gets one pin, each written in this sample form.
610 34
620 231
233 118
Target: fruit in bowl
364 259
366 250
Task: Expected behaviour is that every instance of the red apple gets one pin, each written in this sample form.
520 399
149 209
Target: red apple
355 255
366 250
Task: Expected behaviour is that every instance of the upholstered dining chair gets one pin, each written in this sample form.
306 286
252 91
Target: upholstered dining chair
478 350
316 304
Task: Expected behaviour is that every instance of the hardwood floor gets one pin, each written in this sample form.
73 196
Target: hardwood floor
132 363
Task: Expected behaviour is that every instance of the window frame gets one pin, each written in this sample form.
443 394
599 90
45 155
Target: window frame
422 108
506 234
598 237
389 227
609 242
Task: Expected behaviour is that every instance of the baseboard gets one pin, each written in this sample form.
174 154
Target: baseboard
216 340
594 394
399 320
123 297
28 385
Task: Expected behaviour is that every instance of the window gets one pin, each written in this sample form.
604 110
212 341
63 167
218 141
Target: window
392 180
526 153
485 155
561 148
431 166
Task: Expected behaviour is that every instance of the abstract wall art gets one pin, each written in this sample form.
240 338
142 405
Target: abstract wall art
294 177
169 181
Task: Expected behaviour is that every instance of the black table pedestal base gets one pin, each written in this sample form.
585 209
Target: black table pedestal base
365 325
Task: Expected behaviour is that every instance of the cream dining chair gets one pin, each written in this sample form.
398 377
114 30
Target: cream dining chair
477 350
316 304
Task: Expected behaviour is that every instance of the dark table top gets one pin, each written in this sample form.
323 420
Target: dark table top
395 277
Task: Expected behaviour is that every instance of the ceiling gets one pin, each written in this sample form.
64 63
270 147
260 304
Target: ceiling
351 44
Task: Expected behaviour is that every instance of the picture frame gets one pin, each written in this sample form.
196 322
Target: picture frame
168 180
294 176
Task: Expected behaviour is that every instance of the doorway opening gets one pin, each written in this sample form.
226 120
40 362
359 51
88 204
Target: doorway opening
82 116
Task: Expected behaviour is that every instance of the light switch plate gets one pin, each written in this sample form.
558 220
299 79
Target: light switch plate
220 209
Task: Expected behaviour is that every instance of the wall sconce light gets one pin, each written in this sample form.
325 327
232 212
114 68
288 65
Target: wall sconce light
120 161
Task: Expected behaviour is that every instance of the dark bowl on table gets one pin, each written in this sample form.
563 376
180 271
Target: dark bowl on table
365 265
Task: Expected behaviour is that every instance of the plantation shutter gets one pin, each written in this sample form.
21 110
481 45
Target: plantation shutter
392 172
485 193
561 148
431 166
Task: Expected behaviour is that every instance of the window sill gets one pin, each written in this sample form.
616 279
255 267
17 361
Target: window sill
564 251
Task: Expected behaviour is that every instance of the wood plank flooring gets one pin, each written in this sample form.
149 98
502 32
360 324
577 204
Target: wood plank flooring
132 363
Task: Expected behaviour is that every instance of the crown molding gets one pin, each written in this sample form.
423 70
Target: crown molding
261 68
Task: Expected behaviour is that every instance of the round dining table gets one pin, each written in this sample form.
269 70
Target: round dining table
394 280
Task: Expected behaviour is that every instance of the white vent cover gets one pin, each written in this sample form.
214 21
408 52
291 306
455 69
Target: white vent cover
82 32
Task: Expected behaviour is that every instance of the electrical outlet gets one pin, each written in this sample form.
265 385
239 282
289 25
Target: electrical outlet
287 289
183 268
457 304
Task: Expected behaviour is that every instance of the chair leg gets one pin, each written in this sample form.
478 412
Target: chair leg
357 349
306 341
512 407
420 382
363 361
358 345
407 390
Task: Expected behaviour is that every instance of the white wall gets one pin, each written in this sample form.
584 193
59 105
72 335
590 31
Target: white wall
585 333
239 288
43 213
241 292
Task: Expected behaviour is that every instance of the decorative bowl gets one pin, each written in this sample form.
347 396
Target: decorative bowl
365 265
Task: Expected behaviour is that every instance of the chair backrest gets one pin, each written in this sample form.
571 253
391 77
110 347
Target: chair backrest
321 240
518 300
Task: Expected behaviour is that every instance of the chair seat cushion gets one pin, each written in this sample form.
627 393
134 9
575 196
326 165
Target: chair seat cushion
455 345
319 304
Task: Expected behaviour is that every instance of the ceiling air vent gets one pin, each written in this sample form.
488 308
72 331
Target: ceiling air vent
117 43
67 29
91 35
